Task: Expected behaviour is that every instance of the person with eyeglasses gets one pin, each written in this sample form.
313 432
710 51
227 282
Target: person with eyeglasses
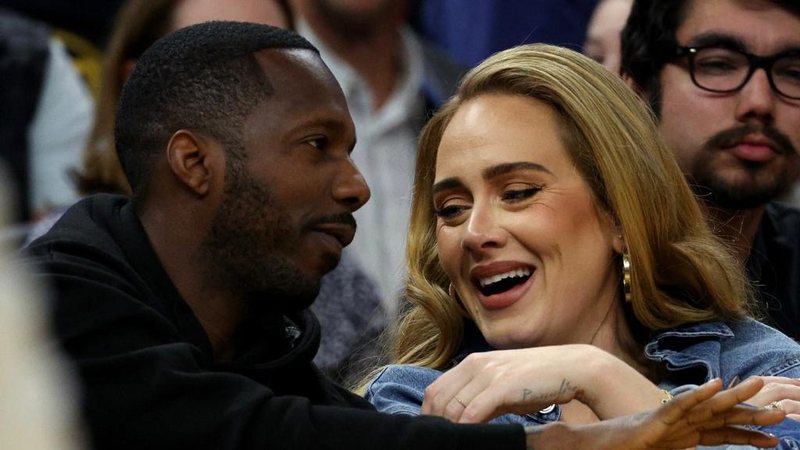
723 78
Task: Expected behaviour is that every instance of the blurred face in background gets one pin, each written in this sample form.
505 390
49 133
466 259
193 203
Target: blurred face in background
358 17
739 146
603 34
268 12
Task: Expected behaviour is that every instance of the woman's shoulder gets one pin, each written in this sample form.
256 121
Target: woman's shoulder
400 389
761 349
729 348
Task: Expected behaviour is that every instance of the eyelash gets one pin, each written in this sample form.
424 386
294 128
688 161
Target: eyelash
512 196
520 194
448 212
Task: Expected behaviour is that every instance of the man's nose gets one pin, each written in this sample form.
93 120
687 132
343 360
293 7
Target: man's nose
350 187
756 99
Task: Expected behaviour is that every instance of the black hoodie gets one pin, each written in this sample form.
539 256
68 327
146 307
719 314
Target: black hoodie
146 368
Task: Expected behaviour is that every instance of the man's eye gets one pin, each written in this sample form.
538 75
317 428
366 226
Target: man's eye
717 65
520 194
320 143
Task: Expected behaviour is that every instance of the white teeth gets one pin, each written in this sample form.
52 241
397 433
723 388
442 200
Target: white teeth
521 272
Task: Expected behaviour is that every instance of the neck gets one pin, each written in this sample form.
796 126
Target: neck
376 56
736 227
182 256
615 337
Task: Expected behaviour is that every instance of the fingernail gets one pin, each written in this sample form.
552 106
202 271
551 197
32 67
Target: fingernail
734 382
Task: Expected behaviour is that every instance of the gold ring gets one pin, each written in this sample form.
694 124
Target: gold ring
460 402
775 405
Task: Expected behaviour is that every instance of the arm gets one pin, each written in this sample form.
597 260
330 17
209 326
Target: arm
486 385
704 416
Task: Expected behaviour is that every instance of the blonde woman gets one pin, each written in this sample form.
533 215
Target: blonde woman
550 222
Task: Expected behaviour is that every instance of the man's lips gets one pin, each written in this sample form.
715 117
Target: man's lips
757 149
341 232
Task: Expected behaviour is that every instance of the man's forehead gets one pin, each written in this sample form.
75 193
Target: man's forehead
757 25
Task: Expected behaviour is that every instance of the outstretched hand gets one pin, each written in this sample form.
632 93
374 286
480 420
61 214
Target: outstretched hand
703 416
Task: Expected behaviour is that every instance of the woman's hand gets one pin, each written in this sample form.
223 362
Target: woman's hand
781 391
703 416
486 385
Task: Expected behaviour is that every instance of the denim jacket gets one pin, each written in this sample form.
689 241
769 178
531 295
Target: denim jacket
692 354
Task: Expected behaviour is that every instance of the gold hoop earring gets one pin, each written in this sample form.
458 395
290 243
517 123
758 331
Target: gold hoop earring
626 275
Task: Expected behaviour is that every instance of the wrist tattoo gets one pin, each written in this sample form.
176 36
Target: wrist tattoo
548 397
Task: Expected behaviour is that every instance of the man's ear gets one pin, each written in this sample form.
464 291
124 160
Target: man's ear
189 159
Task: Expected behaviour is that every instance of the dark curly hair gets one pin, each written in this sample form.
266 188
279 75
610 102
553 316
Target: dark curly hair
204 77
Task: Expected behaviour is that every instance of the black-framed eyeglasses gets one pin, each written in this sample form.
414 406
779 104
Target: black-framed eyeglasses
723 69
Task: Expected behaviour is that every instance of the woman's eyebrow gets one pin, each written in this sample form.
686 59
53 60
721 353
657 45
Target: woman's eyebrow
502 169
447 183
491 172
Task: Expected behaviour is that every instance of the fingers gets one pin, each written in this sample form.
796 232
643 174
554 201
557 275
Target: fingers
778 389
791 407
676 410
723 401
740 415
444 398
732 435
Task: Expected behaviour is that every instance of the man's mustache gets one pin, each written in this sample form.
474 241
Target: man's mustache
729 138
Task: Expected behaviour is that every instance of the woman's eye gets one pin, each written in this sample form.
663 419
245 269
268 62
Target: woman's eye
449 212
520 194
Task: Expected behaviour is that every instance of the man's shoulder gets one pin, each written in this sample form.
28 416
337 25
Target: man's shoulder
88 242
87 224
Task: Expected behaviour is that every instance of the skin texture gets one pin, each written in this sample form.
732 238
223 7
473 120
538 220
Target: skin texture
603 33
714 135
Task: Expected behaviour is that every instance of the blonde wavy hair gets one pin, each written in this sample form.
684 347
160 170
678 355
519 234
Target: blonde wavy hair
681 273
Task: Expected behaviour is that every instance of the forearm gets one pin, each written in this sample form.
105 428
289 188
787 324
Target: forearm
612 388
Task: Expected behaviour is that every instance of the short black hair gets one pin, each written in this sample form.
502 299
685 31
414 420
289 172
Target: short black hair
648 40
204 77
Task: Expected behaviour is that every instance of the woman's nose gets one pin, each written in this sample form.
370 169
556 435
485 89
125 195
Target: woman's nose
483 231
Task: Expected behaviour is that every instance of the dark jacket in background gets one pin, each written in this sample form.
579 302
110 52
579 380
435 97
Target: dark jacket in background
774 267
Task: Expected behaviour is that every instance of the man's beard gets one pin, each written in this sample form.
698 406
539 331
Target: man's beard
713 188
249 239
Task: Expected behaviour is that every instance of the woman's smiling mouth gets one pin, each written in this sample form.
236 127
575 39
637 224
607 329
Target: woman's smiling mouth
499 285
